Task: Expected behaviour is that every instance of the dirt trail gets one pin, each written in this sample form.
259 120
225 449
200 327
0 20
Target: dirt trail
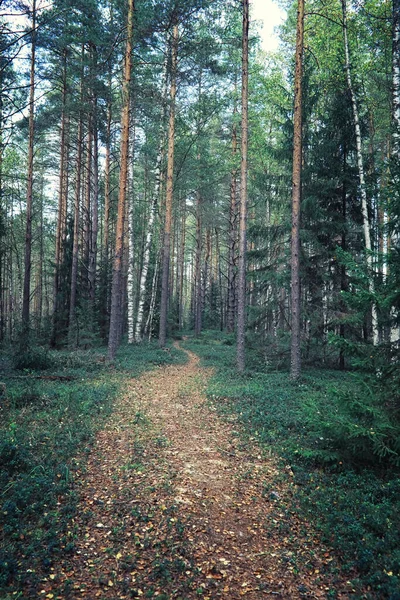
174 505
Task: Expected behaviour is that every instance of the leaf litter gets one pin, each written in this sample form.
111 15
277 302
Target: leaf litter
173 505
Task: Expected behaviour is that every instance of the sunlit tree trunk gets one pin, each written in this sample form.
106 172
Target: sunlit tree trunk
130 230
152 216
115 316
29 192
296 196
169 194
241 318
361 174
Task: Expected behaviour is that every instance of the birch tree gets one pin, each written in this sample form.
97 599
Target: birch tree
361 174
116 293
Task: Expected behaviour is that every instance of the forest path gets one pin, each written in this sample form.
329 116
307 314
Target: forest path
174 505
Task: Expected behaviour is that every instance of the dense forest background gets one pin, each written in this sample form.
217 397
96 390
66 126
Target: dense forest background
78 196
162 177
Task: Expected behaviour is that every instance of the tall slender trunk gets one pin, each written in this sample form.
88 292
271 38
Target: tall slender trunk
62 203
197 272
131 257
396 82
361 175
296 195
29 191
38 308
72 333
152 216
169 194
87 221
232 231
105 293
241 318
182 265
94 211
343 274
150 317
123 177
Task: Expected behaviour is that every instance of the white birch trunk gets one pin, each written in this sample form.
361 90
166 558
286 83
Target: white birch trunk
131 257
153 212
149 322
361 174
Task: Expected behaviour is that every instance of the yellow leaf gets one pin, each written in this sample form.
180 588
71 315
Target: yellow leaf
110 583
52 576
118 556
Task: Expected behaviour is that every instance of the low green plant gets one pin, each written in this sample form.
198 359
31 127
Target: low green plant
340 434
46 432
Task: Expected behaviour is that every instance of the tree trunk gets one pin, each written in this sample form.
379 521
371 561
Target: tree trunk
29 192
181 267
169 194
296 196
396 82
94 212
152 216
115 316
361 175
72 324
241 318
131 253
197 272
232 233
62 204
105 292
87 225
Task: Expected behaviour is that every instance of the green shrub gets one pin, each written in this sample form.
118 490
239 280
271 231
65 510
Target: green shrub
33 358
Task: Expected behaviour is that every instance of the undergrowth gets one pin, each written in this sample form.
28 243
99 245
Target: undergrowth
46 430
340 434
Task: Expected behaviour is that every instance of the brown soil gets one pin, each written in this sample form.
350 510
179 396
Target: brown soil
175 505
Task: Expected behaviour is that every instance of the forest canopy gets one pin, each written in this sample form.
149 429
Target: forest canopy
123 190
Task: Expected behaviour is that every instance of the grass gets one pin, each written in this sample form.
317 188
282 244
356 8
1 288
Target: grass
342 445
46 430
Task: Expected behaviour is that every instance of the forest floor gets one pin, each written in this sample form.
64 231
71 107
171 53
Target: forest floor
174 504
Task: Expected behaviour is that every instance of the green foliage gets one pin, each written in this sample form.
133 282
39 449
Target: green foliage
340 433
46 431
35 358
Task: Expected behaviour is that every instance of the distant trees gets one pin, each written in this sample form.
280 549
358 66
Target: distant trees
139 226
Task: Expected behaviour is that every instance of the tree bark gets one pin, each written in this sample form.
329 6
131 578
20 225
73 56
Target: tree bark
361 175
94 212
169 194
232 232
296 196
396 82
152 216
115 316
75 247
197 271
241 318
29 192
